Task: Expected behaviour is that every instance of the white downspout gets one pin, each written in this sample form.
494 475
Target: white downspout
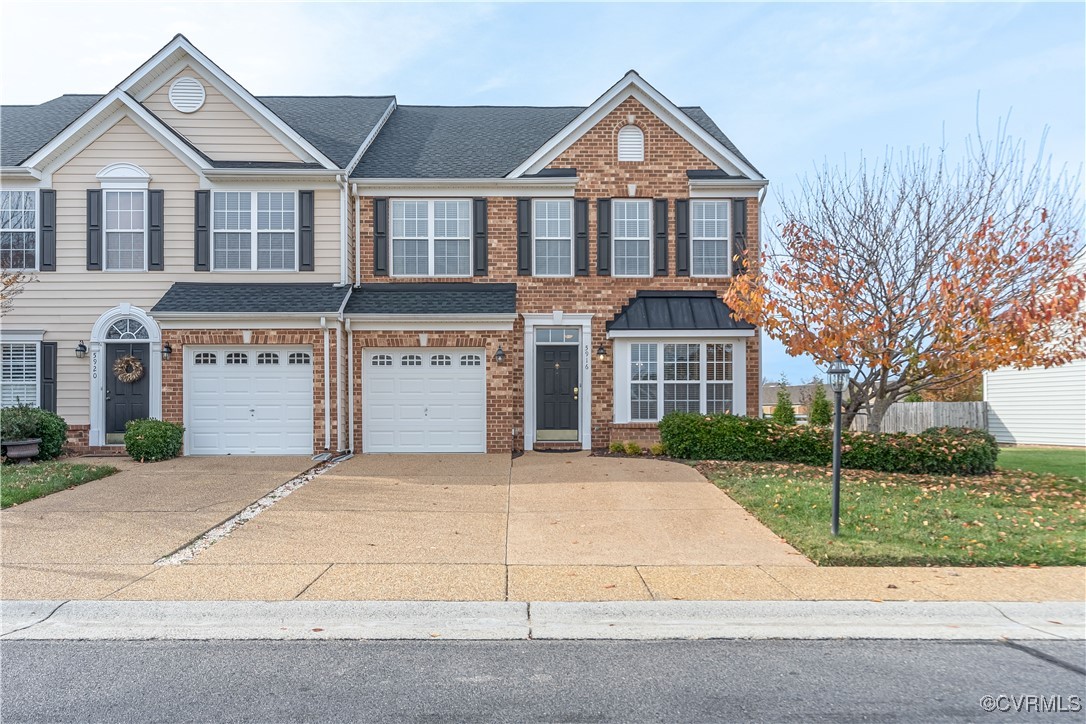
343 240
350 384
339 388
357 241
327 371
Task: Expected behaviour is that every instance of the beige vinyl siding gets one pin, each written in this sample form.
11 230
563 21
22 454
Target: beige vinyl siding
1038 406
220 129
66 303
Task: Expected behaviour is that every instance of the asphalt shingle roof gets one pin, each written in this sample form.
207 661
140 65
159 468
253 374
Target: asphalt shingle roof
433 298
693 310
25 129
336 125
275 298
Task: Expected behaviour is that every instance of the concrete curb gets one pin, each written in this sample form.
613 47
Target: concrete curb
384 620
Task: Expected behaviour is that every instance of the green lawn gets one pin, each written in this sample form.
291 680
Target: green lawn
20 483
1009 518
1064 462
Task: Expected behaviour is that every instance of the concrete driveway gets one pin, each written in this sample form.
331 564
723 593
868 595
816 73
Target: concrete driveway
93 540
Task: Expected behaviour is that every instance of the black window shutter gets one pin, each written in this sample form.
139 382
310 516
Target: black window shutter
524 237
305 231
603 237
201 249
478 225
94 229
659 223
682 237
739 237
48 376
580 236
47 248
380 237
155 235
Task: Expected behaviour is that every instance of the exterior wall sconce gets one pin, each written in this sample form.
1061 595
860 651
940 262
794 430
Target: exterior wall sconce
601 353
167 350
81 350
499 356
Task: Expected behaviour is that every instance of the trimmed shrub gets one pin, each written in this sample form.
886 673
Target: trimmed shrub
24 422
658 449
947 451
632 448
821 414
616 447
152 440
784 413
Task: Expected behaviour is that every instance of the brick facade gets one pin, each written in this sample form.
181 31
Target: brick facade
661 175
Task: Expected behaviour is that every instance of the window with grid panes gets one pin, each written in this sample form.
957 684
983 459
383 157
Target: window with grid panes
631 237
709 238
553 237
18 229
254 230
431 238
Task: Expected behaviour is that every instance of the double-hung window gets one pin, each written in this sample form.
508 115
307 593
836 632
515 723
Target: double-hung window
709 238
431 238
19 374
255 230
18 229
553 238
632 237
680 377
125 230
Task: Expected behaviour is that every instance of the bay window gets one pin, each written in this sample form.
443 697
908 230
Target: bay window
254 231
680 376
18 230
431 238
709 238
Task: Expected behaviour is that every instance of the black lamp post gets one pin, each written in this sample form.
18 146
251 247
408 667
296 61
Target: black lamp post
838 374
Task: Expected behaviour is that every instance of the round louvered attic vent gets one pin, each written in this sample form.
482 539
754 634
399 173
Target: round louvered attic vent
187 95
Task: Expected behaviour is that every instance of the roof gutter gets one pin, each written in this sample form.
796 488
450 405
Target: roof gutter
247 173
20 172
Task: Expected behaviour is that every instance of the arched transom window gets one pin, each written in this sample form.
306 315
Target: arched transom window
126 329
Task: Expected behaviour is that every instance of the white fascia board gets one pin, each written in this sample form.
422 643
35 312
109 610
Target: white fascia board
413 322
269 176
102 116
726 188
368 141
633 85
19 174
219 320
548 187
238 95
22 335
679 333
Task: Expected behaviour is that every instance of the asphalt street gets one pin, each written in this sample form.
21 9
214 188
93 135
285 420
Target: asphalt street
575 681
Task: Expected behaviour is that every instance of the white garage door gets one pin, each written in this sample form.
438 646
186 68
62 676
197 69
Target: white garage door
423 400
253 400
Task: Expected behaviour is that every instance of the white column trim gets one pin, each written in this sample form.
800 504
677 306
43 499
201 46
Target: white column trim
558 318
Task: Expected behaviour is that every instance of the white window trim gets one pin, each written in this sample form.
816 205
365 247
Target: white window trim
98 372
572 237
107 189
622 375
37 225
430 241
727 239
254 229
35 339
614 240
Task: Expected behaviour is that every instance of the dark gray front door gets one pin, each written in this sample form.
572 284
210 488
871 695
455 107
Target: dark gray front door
126 400
556 392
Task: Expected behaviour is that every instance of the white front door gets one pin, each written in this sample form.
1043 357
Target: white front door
252 400
424 400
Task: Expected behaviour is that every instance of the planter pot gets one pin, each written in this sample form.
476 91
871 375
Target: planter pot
21 450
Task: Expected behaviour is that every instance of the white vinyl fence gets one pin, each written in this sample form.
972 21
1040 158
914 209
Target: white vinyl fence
916 417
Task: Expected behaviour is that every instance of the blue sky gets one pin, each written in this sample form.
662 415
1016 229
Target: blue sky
792 84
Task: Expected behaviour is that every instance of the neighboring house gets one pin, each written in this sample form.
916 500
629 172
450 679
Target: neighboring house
1038 406
300 274
801 396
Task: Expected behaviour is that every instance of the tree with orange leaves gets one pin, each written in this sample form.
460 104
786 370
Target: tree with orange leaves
922 275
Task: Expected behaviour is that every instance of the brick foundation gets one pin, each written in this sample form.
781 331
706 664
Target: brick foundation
643 433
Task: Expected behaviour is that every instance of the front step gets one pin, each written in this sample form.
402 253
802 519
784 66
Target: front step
557 446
